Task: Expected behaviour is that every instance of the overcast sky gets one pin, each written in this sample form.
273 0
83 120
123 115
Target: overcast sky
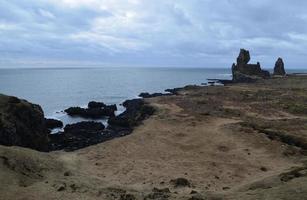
163 33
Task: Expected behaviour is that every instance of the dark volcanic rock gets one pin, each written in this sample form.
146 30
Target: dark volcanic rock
84 128
94 104
76 136
75 111
279 68
136 111
174 91
22 124
112 107
83 134
95 110
148 95
53 123
244 57
94 113
244 72
218 81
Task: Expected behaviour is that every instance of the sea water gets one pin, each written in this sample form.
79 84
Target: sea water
56 89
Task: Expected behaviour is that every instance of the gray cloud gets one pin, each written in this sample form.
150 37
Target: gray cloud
194 33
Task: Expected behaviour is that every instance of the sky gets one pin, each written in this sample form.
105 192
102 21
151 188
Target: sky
151 33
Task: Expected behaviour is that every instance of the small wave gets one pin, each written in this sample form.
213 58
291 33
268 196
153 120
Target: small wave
225 75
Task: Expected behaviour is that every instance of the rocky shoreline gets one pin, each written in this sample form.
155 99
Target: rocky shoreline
78 135
239 141
74 136
245 140
23 124
83 134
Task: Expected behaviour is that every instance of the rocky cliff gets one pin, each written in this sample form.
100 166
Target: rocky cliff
22 124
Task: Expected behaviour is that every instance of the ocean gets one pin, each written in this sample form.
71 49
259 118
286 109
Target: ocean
56 89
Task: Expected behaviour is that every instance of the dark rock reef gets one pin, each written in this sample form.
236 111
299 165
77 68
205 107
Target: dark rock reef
22 124
94 104
83 134
95 110
279 68
93 113
244 72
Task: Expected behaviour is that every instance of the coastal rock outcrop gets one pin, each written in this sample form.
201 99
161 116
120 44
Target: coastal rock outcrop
148 95
244 72
94 113
95 110
53 123
22 124
136 111
279 68
84 128
94 104
83 134
76 136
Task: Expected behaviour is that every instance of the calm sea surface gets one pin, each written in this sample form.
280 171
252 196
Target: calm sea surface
58 89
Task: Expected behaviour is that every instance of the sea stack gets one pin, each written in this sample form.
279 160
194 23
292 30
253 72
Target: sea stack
279 68
244 72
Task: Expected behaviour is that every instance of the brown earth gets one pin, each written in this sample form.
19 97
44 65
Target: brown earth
242 141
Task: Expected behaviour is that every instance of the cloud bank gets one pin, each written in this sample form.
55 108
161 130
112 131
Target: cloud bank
194 33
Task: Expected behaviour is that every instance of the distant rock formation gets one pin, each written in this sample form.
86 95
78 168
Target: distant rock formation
244 72
22 124
279 68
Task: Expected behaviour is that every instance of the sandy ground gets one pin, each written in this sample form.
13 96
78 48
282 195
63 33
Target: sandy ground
189 137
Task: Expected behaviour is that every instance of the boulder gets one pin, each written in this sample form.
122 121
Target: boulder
244 72
53 123
279 68
22 124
